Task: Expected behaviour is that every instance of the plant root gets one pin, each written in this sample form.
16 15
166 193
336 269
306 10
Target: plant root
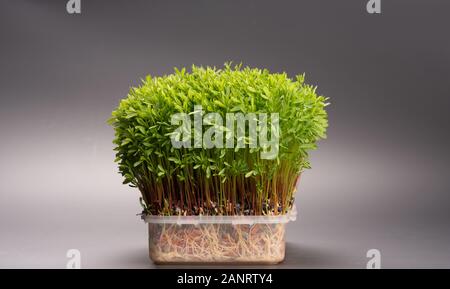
223 243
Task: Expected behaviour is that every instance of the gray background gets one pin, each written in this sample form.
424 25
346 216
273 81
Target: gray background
380 180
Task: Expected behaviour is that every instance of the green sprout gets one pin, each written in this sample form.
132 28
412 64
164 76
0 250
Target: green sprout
219 180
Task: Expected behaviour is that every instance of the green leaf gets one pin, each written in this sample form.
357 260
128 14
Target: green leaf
141 129
126 141
249 174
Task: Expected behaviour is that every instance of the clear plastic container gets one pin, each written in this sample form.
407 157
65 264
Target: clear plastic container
218 239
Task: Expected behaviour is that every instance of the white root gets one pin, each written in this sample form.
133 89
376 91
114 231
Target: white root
261 243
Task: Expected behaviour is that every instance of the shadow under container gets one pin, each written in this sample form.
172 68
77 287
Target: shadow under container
218 239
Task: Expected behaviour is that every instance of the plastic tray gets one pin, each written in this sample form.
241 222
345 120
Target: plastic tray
218 239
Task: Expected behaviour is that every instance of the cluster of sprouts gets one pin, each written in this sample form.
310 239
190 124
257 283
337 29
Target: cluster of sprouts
216 181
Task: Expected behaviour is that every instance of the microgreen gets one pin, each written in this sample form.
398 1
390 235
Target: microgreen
216 181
